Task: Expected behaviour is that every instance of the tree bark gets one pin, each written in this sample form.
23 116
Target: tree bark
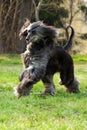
12 15
26 12
37 9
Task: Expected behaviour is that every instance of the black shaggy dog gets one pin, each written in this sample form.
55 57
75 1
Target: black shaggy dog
43 58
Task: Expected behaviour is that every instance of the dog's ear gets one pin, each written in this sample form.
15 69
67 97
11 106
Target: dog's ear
23 30
23 33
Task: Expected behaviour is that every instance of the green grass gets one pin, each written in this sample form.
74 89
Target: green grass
60 112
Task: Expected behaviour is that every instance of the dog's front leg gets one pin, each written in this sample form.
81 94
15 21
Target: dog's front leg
30 76
68 80
49 85
23 88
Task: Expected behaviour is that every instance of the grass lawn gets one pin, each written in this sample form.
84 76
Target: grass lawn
60 112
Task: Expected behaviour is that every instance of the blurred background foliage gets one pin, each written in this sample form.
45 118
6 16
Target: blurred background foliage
58 13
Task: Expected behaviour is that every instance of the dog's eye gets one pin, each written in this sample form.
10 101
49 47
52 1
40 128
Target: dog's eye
33 31
28 30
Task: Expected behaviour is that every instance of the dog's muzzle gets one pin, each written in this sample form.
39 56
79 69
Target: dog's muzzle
28 37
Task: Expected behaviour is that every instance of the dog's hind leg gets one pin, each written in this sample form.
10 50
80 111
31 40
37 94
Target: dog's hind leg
49 85
69 81
73 87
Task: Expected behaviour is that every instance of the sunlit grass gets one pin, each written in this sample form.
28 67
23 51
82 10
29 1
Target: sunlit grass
35 112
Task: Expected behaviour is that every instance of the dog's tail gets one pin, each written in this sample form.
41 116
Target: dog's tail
69 43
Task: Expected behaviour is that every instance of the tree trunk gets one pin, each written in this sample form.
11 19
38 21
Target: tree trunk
12 15
26 12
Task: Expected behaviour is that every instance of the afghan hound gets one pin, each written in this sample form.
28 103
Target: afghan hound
43 58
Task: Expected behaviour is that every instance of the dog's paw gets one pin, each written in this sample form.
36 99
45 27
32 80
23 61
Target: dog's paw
48 92
16 92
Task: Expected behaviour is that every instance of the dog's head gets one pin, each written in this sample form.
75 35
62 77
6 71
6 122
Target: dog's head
38 30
